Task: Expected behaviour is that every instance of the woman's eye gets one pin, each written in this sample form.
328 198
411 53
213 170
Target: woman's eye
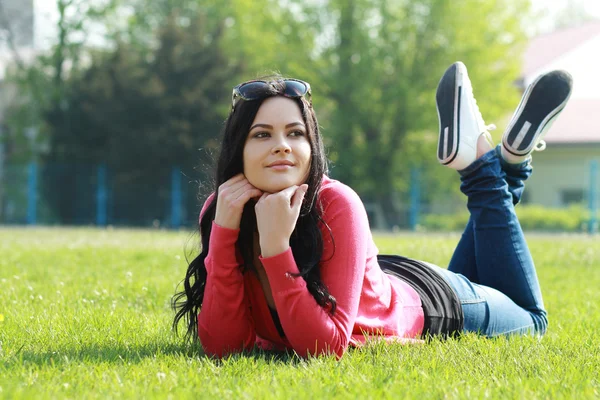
260 135
297 133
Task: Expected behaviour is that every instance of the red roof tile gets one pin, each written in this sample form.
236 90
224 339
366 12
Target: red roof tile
544 49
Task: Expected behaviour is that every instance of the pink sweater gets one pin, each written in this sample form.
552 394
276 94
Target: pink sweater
235 315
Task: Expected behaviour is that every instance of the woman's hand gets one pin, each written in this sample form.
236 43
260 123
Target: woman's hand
233 196
276 216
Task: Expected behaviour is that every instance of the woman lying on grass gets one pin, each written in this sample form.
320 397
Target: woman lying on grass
288 260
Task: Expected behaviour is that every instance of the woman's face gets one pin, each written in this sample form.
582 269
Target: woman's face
277 149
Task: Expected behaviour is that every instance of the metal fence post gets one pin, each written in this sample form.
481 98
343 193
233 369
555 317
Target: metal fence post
593 202
415 198
32 194
1 174
176 198
101 196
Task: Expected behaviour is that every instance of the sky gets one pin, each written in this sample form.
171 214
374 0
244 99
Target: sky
47 15
551 8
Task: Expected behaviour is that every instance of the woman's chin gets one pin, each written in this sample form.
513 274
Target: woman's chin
274 187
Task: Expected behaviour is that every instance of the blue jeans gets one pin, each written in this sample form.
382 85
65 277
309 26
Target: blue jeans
492 271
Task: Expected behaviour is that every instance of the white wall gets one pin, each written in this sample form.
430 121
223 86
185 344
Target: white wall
560 168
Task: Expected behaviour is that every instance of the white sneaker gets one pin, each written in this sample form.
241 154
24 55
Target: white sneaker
461 122
540 105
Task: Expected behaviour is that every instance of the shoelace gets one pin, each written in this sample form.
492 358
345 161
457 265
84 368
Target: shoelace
489 127
480 120
488 138
540 146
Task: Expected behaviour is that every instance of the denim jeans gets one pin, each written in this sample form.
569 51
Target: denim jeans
492 271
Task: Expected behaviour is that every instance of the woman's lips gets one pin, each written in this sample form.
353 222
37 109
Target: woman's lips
280 167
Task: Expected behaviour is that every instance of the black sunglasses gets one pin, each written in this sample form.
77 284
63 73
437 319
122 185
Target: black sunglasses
254 90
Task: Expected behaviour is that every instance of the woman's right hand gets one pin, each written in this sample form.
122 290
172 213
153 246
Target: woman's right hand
233 196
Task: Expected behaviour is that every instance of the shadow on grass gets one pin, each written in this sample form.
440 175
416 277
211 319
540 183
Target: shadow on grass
134 354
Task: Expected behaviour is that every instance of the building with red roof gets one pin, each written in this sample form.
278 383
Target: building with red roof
563 172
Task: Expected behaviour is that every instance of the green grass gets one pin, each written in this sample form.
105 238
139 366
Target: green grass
85 314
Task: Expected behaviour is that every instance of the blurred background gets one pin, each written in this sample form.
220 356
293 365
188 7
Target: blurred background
111 110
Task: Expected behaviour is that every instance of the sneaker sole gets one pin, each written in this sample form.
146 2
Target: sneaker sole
539 107
449 134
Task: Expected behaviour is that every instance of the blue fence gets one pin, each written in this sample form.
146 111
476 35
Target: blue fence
81 194
593 197
78 194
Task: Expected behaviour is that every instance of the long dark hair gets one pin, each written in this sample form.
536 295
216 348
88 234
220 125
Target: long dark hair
306 241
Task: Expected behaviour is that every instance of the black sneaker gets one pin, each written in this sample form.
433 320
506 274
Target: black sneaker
461 122
543 100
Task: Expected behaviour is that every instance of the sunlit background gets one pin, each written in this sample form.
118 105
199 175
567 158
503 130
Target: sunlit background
110 111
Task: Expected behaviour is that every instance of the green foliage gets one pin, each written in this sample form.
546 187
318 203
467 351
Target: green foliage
85 314
158 89
142 112
381 69
535 217
531 217
41 84
141 109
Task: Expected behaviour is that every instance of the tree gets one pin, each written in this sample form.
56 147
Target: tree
143 111
383 68
150 97
159 92
41 83
159 87
37 83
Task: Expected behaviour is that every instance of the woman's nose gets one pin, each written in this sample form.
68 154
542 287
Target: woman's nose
281 146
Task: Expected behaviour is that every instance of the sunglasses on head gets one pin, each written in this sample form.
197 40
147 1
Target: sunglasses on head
254 90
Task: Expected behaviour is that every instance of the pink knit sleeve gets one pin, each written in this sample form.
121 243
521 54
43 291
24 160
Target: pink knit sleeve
309 327
224 322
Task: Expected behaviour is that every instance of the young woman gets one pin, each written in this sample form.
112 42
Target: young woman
288 260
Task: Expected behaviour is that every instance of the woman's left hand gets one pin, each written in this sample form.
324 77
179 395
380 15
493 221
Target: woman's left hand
276 216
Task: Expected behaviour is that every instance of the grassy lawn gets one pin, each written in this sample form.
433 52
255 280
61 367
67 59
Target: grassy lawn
85 314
